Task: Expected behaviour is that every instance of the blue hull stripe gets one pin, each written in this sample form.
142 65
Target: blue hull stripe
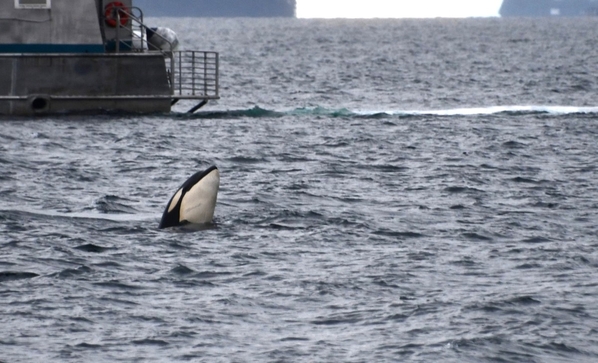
51 48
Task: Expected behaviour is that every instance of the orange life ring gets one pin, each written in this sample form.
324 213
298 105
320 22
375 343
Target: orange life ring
110 13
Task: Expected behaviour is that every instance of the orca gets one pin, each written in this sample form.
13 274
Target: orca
194 202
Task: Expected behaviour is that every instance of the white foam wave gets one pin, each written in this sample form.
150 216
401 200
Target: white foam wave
472 111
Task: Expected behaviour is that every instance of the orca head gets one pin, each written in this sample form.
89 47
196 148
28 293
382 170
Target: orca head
194 202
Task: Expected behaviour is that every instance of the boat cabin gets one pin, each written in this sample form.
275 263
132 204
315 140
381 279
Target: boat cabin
89 56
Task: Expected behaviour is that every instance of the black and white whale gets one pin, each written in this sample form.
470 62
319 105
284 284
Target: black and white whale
194 202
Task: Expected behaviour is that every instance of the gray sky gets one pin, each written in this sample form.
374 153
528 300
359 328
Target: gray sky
396 8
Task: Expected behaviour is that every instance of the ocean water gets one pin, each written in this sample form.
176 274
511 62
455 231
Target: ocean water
391 191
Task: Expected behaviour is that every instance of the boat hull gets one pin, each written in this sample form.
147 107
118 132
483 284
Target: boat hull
70 83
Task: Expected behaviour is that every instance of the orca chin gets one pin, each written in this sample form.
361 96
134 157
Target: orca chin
194 202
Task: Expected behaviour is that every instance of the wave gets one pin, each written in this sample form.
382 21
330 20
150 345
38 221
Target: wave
258 112
509 110
118 217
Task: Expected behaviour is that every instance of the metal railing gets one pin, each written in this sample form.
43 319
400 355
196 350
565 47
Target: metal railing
194 74
134 18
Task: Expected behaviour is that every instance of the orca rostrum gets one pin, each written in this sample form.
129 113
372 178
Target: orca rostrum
194 202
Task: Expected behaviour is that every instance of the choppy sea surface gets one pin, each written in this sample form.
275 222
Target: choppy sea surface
391 191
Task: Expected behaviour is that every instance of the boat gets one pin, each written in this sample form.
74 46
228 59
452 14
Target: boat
532 8
221 8
58 57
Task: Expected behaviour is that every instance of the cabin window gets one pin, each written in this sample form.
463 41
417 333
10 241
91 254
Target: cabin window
33 4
